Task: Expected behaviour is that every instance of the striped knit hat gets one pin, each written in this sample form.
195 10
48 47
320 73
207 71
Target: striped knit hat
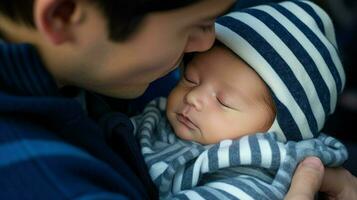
292 46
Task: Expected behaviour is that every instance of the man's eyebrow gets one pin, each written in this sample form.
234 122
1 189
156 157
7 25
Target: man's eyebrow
214 16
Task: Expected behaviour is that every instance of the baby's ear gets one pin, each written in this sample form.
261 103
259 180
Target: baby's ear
57 19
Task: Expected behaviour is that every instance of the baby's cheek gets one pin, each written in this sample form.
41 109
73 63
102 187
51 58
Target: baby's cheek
213 132
181 131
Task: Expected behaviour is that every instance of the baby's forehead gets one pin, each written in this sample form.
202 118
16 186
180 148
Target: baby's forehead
221 61
228 69
216 52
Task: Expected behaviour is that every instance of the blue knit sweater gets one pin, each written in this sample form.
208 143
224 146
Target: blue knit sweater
51 149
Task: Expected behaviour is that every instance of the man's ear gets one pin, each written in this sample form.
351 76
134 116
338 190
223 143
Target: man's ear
56 19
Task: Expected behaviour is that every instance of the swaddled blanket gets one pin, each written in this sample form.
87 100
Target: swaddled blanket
251 167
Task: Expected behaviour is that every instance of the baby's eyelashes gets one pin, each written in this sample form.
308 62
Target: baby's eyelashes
190 81
225 104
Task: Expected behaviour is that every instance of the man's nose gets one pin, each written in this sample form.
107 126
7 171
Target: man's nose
200 41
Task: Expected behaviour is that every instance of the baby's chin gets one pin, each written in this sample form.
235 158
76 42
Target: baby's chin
183 133
192 136
199 137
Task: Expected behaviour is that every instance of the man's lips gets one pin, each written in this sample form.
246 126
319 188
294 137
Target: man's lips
186 121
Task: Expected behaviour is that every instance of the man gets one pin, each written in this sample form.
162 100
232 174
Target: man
54 143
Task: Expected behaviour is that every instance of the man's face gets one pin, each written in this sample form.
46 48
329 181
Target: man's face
125 69
219 97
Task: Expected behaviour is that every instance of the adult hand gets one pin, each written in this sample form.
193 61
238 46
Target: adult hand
310 177
339 184
306 180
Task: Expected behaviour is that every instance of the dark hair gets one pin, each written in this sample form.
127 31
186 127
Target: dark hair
123 16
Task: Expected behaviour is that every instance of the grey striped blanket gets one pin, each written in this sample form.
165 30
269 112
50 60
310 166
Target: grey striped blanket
252 167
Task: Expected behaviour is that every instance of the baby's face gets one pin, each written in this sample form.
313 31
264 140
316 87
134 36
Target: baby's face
219 97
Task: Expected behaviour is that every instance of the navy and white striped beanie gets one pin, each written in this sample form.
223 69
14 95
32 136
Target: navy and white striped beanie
292 46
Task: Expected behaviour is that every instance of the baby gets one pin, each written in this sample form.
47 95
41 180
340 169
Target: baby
219 97
246 112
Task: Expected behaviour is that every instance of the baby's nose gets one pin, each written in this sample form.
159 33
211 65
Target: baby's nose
195 98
